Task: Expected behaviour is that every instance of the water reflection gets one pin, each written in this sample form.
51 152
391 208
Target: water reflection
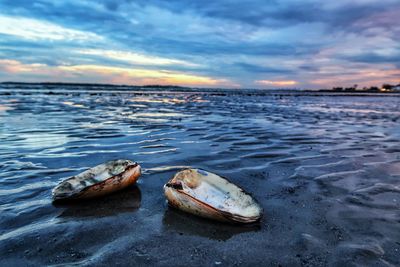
128 200
187 224
343 109
331 162
34 140
5 108
72 104
170 100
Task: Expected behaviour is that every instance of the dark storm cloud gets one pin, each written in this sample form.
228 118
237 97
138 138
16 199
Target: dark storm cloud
262 69
376 58
278 13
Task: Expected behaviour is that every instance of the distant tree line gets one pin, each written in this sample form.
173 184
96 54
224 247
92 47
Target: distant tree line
384 87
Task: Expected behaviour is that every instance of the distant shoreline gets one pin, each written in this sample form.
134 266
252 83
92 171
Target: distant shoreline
90 84
123 87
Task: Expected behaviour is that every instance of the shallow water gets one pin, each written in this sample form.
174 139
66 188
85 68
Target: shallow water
325 168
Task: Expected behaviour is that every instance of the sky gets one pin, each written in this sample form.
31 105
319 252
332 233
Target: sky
306 44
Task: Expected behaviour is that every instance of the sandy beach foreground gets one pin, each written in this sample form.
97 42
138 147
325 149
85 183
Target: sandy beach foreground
325 169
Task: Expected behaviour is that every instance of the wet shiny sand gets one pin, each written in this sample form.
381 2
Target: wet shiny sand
326 170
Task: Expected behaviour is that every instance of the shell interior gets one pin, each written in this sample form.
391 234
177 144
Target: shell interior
75 184
218 193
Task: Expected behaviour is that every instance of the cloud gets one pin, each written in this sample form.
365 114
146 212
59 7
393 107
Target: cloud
13 66
376 58
362 77
108 74
263 69
135 58
229 41
126 75
288 83
33 29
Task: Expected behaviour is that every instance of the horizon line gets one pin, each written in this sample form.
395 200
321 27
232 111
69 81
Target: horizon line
150 85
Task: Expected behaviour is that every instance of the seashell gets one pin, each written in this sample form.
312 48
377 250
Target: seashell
208 195
98 181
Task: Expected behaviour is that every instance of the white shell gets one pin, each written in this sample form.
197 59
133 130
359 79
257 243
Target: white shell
97 181
208 195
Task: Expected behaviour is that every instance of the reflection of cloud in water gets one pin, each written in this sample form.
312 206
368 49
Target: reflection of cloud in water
162 169
156 152
158 100
42 139
124 201
137 106
342 109
149 120
5 108
72 104
188 224
153 117
169 100
159 114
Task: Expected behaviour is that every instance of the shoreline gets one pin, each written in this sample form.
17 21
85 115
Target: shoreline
99 87
216 92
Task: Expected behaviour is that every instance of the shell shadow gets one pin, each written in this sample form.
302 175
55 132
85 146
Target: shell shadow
188 224
127 200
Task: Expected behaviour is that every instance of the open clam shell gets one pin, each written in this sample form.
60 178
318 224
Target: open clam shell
98 181
208 195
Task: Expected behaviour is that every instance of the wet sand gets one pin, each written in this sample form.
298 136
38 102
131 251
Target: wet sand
326 170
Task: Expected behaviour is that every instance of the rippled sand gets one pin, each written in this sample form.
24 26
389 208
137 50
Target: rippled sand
326 170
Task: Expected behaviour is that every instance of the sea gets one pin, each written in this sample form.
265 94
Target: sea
325 167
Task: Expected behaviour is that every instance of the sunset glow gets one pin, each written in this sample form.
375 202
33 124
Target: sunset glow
135 58
140 76
277 83
224 44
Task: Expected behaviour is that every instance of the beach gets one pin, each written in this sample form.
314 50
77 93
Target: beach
325 168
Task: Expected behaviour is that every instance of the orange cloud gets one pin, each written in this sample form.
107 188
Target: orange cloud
276 83
14 66
365 77
138 76
108 74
